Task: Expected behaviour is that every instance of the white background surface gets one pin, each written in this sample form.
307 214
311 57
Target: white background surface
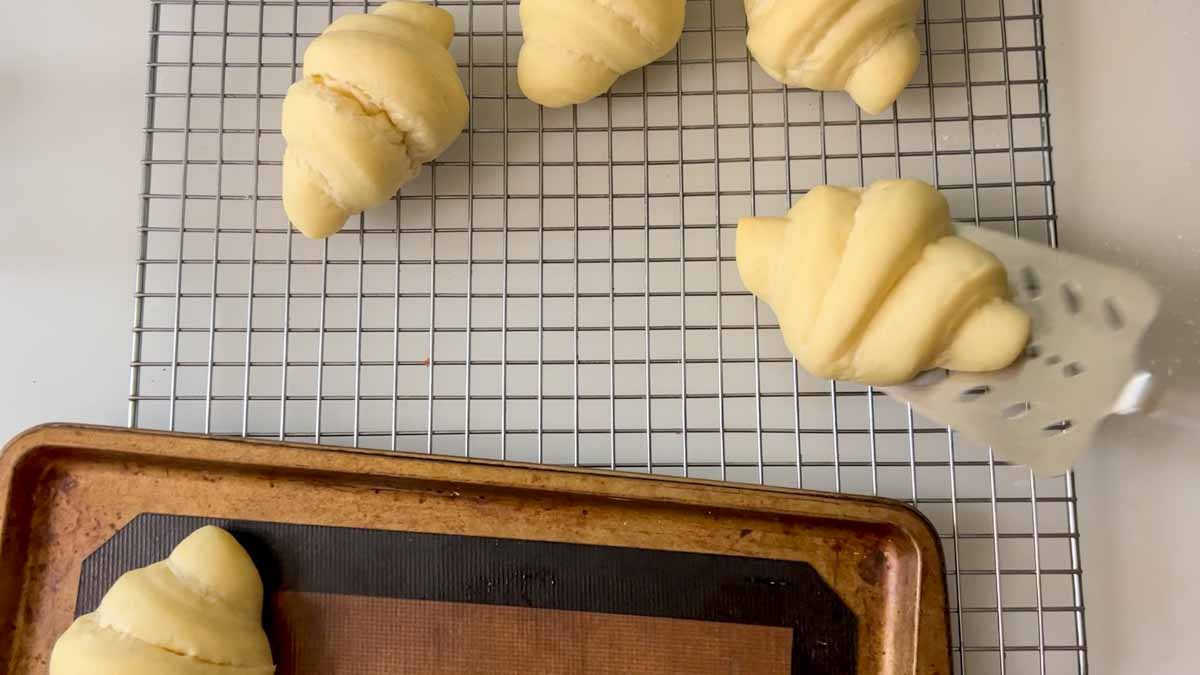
1127 163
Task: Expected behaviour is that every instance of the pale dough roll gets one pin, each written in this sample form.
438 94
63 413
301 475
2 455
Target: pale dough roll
867 47
872 285
380 97
198 612
575 50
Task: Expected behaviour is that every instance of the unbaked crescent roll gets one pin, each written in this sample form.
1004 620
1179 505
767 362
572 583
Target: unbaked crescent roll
575 50
199 612
380 97
872 285
867 47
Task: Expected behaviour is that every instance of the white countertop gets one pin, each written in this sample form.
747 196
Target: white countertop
1126 147
1127 161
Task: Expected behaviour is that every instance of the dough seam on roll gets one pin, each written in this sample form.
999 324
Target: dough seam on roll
93 632
864 53
947 331
369 105
370 108
582 56
320 179
846 352
826 22
122 635
632 22
873 47
198 587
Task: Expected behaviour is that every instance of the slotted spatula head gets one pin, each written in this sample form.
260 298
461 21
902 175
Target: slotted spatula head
1081 364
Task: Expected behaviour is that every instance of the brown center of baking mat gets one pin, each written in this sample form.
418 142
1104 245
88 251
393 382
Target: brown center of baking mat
315 631
351 601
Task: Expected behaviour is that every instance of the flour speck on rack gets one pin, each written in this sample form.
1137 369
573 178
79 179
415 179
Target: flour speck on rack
560 286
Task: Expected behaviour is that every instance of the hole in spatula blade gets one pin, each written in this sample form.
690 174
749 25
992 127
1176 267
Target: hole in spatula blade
1072 297
1057 428
1016 411
974 393
1073 369
1031 283
1114 318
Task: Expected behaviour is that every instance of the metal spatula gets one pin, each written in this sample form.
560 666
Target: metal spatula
1080 367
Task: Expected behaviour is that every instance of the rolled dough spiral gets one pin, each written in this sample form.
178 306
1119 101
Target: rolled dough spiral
867 47
872 285
380 97
576 49
199 612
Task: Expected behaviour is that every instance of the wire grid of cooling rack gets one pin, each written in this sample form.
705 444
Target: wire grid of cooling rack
560 286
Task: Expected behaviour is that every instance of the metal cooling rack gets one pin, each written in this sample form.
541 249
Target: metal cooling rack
561 287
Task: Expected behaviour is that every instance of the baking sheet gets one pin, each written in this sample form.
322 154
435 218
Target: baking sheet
848 584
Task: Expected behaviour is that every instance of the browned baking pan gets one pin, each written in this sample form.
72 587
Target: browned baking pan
388 563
